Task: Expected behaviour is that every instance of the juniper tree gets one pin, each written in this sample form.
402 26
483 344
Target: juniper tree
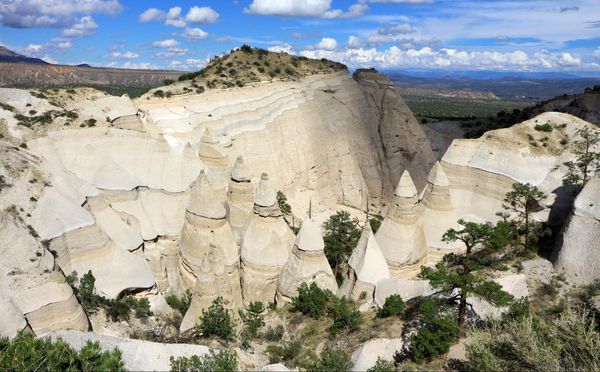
587 161
341 237
457 274
523 200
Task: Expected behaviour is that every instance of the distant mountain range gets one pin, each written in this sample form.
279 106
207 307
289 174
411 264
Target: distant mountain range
482 75
7 55
19 71
522 88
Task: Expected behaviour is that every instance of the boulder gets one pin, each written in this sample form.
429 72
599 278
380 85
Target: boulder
367 354
240 197
514 284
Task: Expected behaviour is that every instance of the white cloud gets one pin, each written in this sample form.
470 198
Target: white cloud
167 43
403 28
195 34
201 15
327 43
152 14
55 44
138 66
52 13
173 17
285 48
190 64
304 8
85 27
49 59
125 55
596 53
445 58
354 42
403 1
172 52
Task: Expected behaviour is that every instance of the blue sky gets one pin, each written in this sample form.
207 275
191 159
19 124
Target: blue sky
509 35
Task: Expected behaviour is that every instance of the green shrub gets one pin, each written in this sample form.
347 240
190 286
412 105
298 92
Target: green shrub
375 222
247 49
274 333
341 235
434 339
311 300
382 366
224 361
333 360
570 342
28 353
287 353
216 321
393 306
345 318
120 309
253 318
543 127
159 93
182 305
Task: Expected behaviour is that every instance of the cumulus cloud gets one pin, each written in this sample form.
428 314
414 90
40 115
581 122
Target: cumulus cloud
190 64
195 34
85 27
124 55
203 14
354 42
403 28
173 17
172 52
446 58
52 13
596 53
286 48
55 44
167 43
304 8
327 43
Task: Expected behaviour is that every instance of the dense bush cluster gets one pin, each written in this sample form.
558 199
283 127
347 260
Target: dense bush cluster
180 304
393 306
570 342
223 361
216 321
28 353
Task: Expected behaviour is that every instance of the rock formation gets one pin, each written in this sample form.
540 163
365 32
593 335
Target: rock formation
207 248
438 209
240 197
367 266
266 245
368 353
307 264
216 161
577 255
401 236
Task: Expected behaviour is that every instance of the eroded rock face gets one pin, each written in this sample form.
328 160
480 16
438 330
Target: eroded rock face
266 245
401 236
209 256
367 354
578 255
403 141
306 264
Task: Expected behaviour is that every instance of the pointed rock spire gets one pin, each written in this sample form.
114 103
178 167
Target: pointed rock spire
240 172
209 137
309 237
367 260
406 187
437 176
204 202
265 193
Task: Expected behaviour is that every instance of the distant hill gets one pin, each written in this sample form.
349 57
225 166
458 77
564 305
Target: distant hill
7 55
520 88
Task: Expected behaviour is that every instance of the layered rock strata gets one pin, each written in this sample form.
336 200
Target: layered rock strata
307 264
266 245
401 236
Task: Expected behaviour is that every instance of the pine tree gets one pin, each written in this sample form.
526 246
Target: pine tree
587 161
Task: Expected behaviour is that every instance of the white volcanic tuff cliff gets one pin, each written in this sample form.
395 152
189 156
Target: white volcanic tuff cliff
398 135
481 171
579 254
316 134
